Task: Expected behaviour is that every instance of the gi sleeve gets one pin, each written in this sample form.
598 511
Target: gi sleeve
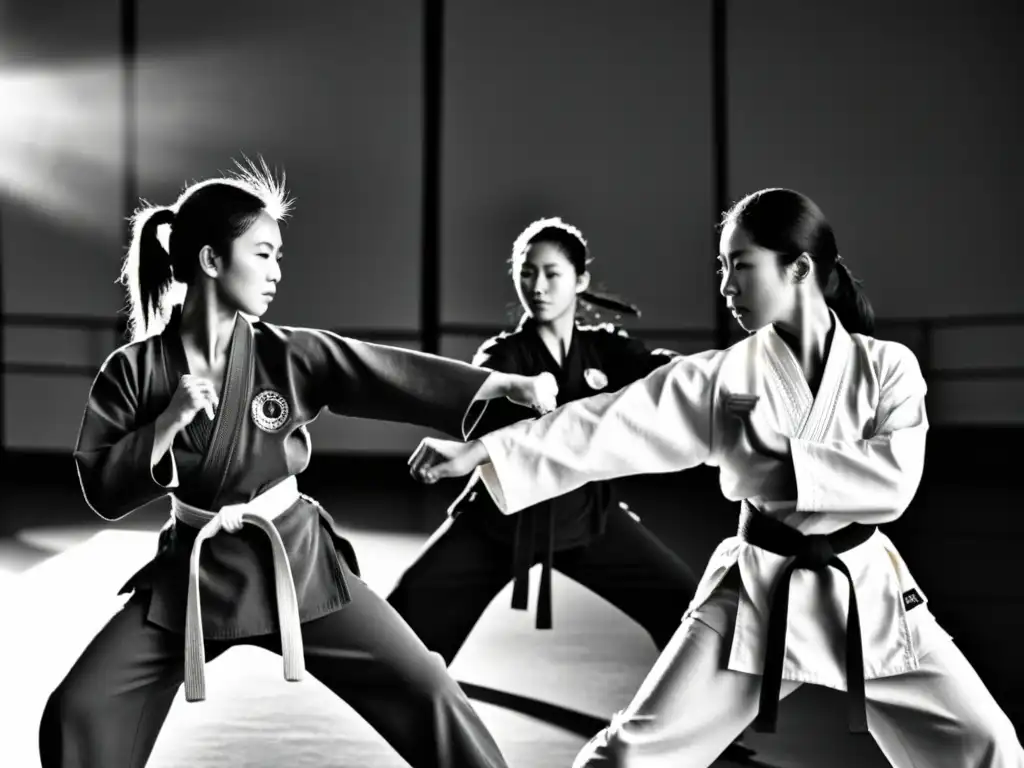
499 354
662 423
114 451
375 381
876 477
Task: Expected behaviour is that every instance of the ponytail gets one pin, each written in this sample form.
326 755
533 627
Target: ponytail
588 306
610 303
849 301
147 273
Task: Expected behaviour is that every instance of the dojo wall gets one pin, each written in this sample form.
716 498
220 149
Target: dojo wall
901 121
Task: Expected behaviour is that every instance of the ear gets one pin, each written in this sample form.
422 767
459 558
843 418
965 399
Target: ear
803 267
582 282
209 262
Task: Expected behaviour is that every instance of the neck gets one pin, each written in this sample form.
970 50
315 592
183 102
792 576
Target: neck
807 330
206 324
558 332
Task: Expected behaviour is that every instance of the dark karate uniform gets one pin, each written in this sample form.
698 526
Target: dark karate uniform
587 534
110 707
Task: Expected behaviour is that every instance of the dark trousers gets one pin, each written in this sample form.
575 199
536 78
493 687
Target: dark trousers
446 590
109 709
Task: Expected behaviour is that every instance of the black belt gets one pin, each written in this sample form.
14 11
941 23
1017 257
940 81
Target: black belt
525 548
814 552
522 560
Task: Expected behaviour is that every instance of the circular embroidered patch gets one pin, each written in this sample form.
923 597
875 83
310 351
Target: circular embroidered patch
269 410
595 378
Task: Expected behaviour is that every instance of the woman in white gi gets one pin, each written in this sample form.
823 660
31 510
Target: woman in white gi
819 430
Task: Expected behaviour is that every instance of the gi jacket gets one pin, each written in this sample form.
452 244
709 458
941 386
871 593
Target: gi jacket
278 380
858 453
600 358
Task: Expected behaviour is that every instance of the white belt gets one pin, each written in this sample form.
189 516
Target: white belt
259 512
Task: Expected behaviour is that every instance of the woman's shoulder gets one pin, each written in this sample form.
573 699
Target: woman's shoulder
132 355
603 330
886 356
293 338
608 337
504 346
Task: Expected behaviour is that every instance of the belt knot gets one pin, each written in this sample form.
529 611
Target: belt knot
817 552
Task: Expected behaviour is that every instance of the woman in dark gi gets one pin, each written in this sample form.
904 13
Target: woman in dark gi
588 534
211 407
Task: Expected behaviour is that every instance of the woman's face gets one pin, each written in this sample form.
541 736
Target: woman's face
249 280
757 289
547 283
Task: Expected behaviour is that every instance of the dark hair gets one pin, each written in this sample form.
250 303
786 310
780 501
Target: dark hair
573 245
213 212
790 224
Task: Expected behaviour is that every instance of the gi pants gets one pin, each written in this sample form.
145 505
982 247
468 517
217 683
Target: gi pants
691 706
110 707
444 593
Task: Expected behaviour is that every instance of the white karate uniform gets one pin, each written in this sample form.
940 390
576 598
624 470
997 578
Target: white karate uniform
858 453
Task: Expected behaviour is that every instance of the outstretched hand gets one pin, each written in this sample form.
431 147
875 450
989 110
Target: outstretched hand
538 392
436 459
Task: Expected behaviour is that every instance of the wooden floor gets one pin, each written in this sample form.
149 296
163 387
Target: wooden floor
60 568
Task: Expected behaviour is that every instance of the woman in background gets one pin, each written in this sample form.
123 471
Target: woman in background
587 534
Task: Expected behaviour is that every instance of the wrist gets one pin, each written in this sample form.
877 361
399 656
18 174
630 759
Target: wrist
478 453
512 383
167 423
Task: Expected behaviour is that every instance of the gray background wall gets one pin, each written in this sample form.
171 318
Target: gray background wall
901 120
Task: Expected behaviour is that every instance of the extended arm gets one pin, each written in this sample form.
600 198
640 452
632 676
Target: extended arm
499 355
375 381
662 423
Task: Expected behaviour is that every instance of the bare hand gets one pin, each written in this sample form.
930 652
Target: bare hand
538 392
230 519
741 407
436 459
192 395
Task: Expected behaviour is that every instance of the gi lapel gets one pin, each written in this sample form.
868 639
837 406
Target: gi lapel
811 414
234 402
215 440
196 436
788 379
833 382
